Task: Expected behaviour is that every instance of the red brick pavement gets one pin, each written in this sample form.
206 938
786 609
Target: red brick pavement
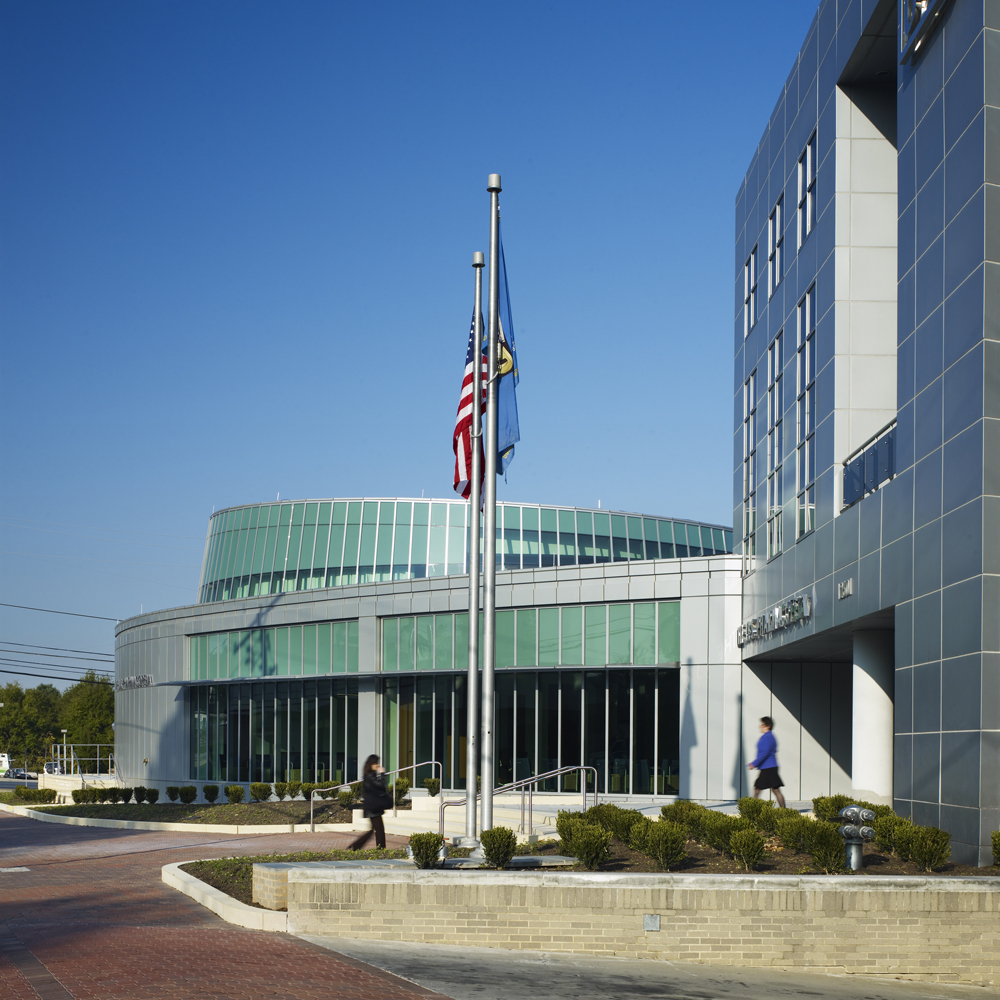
94 912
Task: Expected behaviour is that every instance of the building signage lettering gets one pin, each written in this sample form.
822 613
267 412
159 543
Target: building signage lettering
136 681
845 588
781 616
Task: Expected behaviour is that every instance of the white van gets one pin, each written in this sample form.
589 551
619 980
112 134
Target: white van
4 762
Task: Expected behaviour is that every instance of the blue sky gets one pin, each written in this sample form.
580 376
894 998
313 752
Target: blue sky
235 247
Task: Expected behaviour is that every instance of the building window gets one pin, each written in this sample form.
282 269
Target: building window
775 247
807 190
775 447
750 293
806 413
749 471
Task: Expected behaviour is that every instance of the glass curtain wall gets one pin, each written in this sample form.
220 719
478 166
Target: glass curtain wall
297 730
625 723
281 547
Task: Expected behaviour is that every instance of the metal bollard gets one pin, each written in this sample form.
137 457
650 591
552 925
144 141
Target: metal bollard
856 832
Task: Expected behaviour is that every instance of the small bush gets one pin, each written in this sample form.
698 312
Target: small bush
885 832
400 788
995 842
103 794
294 787
126 795
357 788
639 834
152 794
611 817
114 795
793 831
690 815
188 794
591 844
760 812
747 847
826 845
930 847
235 794
260 791
433 785
173 792
35 795
281 789
211 792
140 794
345 797
902 839
566 823
499 845
307 789
665 842
425 847
79 795
720 827
826 807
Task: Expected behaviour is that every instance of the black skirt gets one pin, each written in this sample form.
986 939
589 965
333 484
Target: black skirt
768 778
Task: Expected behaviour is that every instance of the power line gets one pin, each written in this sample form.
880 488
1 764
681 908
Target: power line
53 677
91 527
75 614
63 649
56 666
103 658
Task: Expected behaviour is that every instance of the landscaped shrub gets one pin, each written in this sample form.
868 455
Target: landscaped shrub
234 793
281 789
140 794
425 847
930 847
356 789
499 845
827 807
188 794
566 823
611 817
152 794
307 789
826 845
433 785
79 795
103 794
211 792
720 827
885 832
260 791
345 797
902 839
664 843
400 788
126 795
995 842
793 830
691 815
638 834
35 795
294 787
114 795
747 847
173 792
591 844
760 812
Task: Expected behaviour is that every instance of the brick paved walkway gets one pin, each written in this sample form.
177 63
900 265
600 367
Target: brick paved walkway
91 919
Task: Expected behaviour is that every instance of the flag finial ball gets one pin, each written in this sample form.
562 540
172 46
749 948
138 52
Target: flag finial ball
477 259
493 184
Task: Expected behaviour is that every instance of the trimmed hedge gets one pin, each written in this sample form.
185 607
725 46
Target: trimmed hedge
140 794
235 794
152 795
995 841
747 847
499 845
281 789
260 791
400 789
425 847
35 795
211 792
173 792
665 843
433 786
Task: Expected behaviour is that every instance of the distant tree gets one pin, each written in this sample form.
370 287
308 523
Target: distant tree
28 721
87 710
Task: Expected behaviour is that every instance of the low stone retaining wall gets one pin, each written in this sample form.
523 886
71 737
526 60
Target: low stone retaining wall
938 929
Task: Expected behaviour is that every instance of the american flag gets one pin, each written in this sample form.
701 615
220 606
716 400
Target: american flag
462 438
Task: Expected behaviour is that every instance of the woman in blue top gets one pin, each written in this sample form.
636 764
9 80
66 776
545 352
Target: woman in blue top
767 763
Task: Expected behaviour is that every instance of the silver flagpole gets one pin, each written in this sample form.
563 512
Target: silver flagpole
472 744
490 519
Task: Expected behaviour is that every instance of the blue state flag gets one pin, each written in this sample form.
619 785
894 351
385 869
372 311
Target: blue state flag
508 432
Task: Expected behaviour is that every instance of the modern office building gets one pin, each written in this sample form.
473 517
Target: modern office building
866 481
330 629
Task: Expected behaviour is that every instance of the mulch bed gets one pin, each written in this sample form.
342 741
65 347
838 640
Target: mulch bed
242 814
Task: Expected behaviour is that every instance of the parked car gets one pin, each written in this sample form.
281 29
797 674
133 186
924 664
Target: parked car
51 767
18 773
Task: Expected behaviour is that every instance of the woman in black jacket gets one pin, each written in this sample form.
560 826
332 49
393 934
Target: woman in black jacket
375 800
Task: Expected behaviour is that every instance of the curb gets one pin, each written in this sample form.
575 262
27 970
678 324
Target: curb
135 824
229 909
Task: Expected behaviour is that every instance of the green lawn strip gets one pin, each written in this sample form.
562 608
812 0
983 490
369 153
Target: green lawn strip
242 814
234 876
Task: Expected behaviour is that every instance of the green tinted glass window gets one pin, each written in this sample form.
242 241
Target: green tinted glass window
620 633
529 518
322 538
462 641
572 636
256 653
595 635
548 637
668 644
390 644
425 642
505 639
456 539
268 652
406 641
635 546
439 515
223 656
666 539
401 543
309 649
585 537
308 543
418 549
324 513
352 652
324 648
339 647
548 519
298 510
718 540
295 650
257 543
526 622
644 633
366 555
511 516
234 654
442 642
213 657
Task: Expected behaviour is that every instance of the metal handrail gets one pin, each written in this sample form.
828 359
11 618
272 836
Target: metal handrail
385 774
523 784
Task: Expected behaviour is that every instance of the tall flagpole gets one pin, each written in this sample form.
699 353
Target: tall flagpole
472 709
490 519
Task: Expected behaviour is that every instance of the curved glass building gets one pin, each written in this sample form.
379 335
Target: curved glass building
329 629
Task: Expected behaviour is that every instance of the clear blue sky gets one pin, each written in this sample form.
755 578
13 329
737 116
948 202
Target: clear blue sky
236 243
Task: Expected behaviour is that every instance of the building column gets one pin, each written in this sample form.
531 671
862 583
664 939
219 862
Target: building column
872 716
